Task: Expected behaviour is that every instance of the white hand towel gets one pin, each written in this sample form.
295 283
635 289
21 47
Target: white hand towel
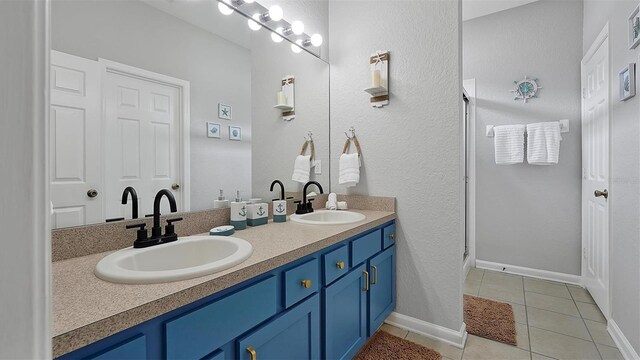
302 169
332 202
509 144
349 165
543 143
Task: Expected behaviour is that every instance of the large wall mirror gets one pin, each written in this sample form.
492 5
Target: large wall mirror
156 94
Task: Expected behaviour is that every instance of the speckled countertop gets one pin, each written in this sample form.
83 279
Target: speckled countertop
87 309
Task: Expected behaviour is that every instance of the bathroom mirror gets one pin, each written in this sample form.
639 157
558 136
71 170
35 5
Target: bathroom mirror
157 94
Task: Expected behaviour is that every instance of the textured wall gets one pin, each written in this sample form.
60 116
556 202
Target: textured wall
136 34
624 242
411 147
528 215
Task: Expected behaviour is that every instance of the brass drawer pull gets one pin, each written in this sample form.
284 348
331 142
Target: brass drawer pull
252 352
340 264
306 283
375 274
366 280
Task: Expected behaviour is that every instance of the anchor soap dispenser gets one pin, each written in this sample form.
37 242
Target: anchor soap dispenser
279 210
239 213
221 202
257 214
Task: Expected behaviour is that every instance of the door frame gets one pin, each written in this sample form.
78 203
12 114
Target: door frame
469 88
599 40
183 87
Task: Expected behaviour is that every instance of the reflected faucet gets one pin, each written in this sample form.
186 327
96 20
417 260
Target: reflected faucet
282 197
134 200
306 207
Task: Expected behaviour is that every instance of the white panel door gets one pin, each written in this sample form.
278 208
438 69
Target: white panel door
595 172
142 138
75 140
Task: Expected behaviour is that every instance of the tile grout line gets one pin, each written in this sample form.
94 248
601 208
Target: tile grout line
526 316
585 325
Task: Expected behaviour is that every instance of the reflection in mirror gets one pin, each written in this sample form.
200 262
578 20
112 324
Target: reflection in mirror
174 95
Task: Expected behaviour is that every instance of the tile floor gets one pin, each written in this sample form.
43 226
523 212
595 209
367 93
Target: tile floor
553 321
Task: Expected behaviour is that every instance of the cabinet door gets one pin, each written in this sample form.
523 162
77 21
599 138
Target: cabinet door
295 335
345 315
382 288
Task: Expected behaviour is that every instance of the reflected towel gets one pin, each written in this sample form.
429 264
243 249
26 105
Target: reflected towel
543 143
509 144
349 174
302 169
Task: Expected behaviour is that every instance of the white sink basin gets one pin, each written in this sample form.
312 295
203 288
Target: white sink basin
187 258
328 217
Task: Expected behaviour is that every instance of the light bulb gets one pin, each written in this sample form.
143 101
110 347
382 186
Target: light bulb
316 40
254 23
224 8
276 13
297 27
276 37
296 48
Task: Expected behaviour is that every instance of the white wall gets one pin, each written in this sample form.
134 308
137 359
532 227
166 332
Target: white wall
139 35
625 167
411 147
25 258
528 215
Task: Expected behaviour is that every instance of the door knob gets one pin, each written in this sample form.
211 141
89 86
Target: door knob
92 193
604 193
175 186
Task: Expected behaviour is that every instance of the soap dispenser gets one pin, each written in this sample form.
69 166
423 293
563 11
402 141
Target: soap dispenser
239 213
221 202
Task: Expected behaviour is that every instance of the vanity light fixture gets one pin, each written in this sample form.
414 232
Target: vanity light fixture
297 28
296 48
224 6
275 13
254 22
277 36
315 40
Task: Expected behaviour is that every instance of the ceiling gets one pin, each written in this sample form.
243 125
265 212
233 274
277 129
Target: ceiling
472 9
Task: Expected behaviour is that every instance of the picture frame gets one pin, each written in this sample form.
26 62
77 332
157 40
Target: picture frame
213 130
627 82
225 111
235 133
634 28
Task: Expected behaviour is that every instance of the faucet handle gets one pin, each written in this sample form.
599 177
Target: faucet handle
142 234
170 228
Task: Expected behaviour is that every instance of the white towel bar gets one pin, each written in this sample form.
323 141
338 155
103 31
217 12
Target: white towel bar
564 128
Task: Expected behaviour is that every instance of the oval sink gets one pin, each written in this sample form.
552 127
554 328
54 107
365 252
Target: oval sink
328 217
187 258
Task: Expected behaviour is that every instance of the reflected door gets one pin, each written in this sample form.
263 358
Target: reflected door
75 164
142 142
595 172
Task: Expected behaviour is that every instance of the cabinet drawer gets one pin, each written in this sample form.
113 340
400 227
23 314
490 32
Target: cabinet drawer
365 247
300 282
135 348
204 330
335 264
388 236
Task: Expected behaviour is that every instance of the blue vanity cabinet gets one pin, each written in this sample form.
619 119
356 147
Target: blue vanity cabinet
382 294
293 335
345 315
131 349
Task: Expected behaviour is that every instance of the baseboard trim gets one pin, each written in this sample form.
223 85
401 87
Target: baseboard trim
628 352
437 332
525 271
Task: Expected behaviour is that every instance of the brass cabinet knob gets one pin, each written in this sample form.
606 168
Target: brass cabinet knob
252 352
604 193
92 193
306 283
340 264
392 236
175 186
